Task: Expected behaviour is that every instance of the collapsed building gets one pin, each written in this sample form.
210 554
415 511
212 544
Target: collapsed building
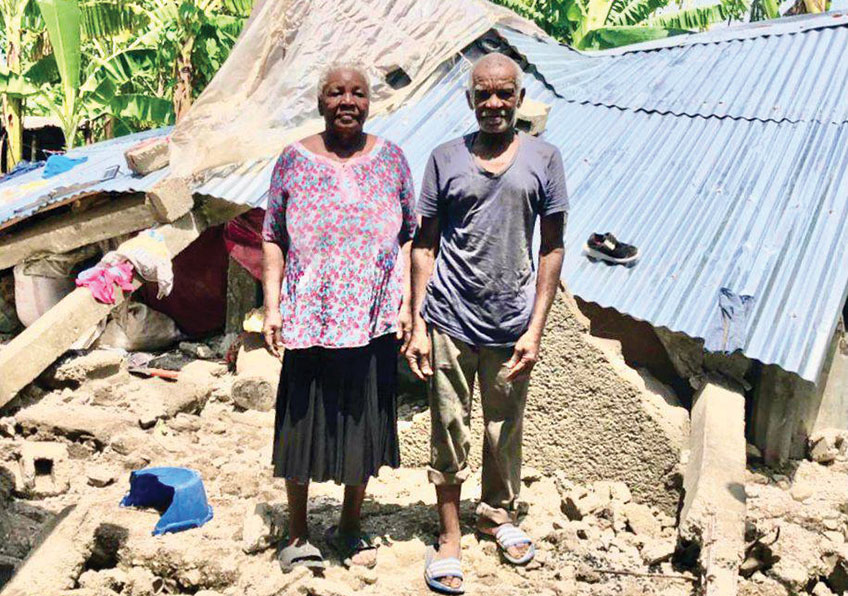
721 155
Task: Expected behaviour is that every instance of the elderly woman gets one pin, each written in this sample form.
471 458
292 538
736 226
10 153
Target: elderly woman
336 297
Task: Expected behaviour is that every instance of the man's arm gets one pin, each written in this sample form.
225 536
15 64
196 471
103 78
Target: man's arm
424 249
273 262
404 331
547 280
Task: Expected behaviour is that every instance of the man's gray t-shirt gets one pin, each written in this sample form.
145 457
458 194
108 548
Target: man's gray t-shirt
484 283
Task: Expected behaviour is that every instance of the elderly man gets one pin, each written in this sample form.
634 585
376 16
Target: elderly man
482 314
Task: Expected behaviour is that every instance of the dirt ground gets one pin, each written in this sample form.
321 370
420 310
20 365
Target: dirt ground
593 540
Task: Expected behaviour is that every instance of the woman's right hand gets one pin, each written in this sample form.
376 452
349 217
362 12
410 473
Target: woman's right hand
272 331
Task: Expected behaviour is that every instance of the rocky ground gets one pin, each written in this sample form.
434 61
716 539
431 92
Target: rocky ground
68 444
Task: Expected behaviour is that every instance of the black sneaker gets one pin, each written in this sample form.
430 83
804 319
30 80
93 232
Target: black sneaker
606 248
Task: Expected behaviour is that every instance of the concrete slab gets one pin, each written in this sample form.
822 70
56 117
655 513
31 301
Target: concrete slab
713 514
37 347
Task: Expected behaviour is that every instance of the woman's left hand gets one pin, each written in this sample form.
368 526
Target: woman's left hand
404 327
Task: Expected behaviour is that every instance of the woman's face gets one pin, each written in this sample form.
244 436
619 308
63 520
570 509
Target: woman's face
344 102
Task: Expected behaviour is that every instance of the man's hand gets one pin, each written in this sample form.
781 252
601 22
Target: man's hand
418 353
404 330
524 357
272 331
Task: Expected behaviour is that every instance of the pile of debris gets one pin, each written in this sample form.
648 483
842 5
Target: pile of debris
70 441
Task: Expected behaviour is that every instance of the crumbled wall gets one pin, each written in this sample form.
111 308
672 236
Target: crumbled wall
589 415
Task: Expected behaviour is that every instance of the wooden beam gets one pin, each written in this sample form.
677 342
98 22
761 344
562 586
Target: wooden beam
67 232
40 344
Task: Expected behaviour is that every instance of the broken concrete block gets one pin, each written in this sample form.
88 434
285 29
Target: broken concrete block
148 156
641 520
262 528
259 376
195 384
533 116
658 551
197 350
97 364
101 476
44 470
106 579
254 393
133 441
74 421
170 199
142 582
576 506
7 426
713 514
826 445
821 589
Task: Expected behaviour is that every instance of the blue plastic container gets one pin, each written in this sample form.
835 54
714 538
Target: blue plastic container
177 493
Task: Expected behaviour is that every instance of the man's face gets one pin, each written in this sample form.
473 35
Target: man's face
495 98
344 102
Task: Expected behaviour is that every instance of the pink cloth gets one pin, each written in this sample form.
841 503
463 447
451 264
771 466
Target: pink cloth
101 280
340 226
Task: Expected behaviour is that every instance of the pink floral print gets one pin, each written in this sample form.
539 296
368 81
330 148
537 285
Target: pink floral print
340 226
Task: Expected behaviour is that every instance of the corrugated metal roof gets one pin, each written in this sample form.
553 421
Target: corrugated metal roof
795 70
28 193
725 161
737 201
758 209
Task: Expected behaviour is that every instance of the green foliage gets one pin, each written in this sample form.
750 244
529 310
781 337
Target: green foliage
112 64
602 24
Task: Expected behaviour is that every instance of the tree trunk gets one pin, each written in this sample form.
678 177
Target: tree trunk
184 75
109 128
13 106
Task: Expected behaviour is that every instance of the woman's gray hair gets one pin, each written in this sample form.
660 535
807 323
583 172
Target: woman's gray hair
496 59
324 78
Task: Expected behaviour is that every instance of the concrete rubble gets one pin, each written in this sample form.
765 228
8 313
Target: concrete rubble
601 535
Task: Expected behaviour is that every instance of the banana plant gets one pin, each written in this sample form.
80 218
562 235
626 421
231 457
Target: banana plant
92 88
13 14
602 24
194 37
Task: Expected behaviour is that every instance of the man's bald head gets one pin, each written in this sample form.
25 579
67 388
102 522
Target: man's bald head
496 64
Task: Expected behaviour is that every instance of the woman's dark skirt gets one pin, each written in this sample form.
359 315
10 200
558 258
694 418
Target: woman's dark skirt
337 413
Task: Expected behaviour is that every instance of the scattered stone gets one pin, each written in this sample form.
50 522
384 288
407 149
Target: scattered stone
821 589
367 576
753 453
197 350
7 426
315 586
641 520
801 491
658 551
577 504
148 418
824 446
107 579
74 421
97 364
141 582
254 393
262 527
101 476
129 441
588 575
185 423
